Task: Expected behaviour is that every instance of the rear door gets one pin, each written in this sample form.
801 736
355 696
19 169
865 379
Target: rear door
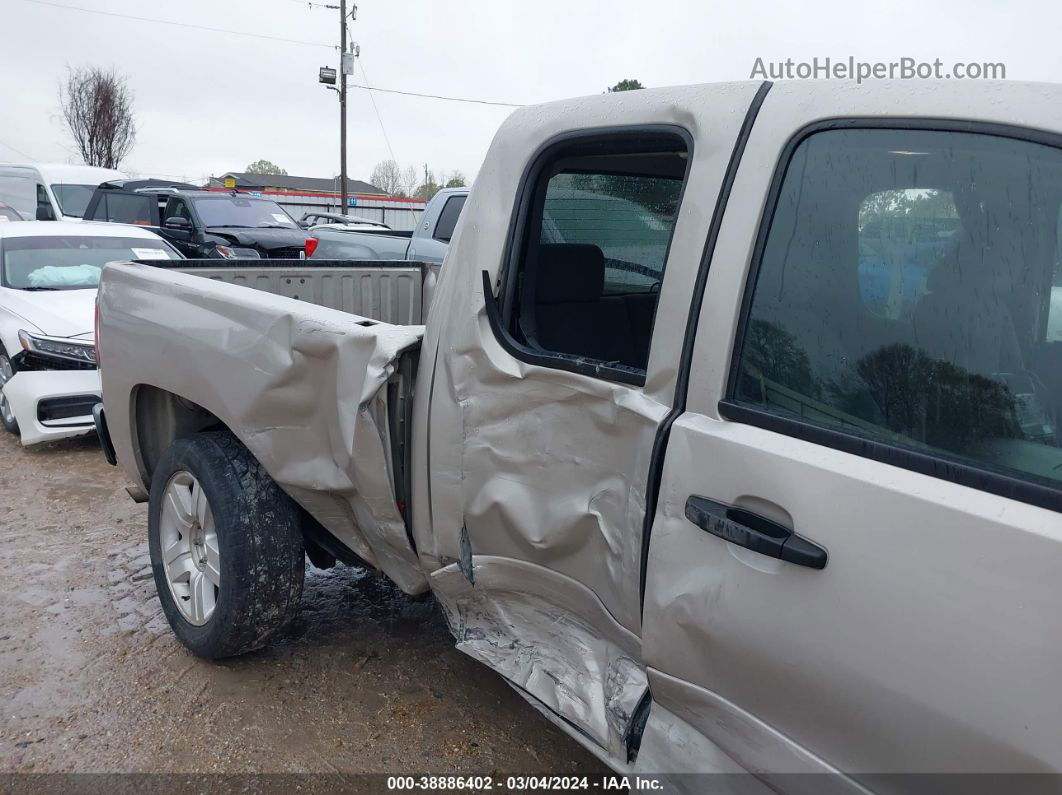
545 405
855 561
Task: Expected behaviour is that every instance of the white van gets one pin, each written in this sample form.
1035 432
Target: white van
51 191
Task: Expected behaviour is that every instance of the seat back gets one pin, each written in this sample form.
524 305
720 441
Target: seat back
570 314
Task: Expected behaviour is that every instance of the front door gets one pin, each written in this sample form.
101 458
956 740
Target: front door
855 562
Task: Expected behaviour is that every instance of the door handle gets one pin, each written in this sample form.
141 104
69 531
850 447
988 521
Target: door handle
752 531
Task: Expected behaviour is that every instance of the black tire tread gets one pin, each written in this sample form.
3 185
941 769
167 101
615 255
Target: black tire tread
263 541
13 428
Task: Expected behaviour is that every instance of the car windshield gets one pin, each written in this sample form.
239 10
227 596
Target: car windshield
73 199
71 263
240 211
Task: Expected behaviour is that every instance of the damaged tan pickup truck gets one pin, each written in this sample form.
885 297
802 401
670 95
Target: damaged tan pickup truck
730 438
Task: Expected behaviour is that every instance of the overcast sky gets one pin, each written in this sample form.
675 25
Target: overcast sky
211 102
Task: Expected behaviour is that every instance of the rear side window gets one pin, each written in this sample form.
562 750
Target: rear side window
451 211
124 208
595 241
127 208
628 217
908 293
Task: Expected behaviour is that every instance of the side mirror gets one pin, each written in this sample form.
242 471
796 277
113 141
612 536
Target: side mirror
45 213
177 223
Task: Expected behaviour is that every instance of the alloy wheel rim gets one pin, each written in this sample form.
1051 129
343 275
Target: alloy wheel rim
188 539
6 373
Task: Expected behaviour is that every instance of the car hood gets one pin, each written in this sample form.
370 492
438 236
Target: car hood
266 239
54 313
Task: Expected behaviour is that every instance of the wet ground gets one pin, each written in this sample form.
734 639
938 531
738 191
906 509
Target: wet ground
92 680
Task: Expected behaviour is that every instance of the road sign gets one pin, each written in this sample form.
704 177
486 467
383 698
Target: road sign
326 75
230 182
352 201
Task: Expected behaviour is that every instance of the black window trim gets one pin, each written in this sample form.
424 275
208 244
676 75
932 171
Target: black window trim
498 307
460 197
935 465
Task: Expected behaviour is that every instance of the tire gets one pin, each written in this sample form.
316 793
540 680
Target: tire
226 548
7 416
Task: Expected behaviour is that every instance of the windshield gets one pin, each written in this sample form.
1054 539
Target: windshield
73 199
71 263
238 211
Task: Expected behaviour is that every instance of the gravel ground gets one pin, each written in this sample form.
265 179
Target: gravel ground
92 680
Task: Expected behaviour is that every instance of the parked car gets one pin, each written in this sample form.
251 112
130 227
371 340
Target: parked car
48 278
427 243
51 191
9 213
200 223
354 223
731 520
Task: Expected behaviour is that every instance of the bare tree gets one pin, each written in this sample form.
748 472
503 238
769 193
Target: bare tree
387 176
409 181
98 108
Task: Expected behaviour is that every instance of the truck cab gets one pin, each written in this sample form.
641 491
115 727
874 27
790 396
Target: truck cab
716 470
427 242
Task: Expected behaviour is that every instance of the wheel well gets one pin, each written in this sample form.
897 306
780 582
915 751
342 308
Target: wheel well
161 418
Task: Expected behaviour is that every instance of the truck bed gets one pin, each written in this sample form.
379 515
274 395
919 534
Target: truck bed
391 291
316 394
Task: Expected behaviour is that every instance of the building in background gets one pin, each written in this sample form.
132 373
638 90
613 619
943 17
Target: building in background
299 195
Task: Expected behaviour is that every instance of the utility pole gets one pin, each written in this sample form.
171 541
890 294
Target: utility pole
342 106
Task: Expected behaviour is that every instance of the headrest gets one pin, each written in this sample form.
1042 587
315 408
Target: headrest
568 273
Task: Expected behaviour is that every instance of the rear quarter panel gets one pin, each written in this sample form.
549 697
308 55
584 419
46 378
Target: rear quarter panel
300 385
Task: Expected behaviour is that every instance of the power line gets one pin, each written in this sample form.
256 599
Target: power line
269 38
181 24
314 5
435 96
379 118
17 151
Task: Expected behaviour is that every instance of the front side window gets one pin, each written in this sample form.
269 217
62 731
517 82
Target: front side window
1054 317
176 208
908 293
595 246
236 211
69 262
45 211
901 234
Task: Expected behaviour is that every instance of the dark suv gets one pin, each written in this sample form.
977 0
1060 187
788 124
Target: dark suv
201 223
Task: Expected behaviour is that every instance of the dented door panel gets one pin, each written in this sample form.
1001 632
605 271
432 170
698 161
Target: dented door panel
523 465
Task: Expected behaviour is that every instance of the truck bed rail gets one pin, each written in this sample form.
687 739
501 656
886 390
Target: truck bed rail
391 291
